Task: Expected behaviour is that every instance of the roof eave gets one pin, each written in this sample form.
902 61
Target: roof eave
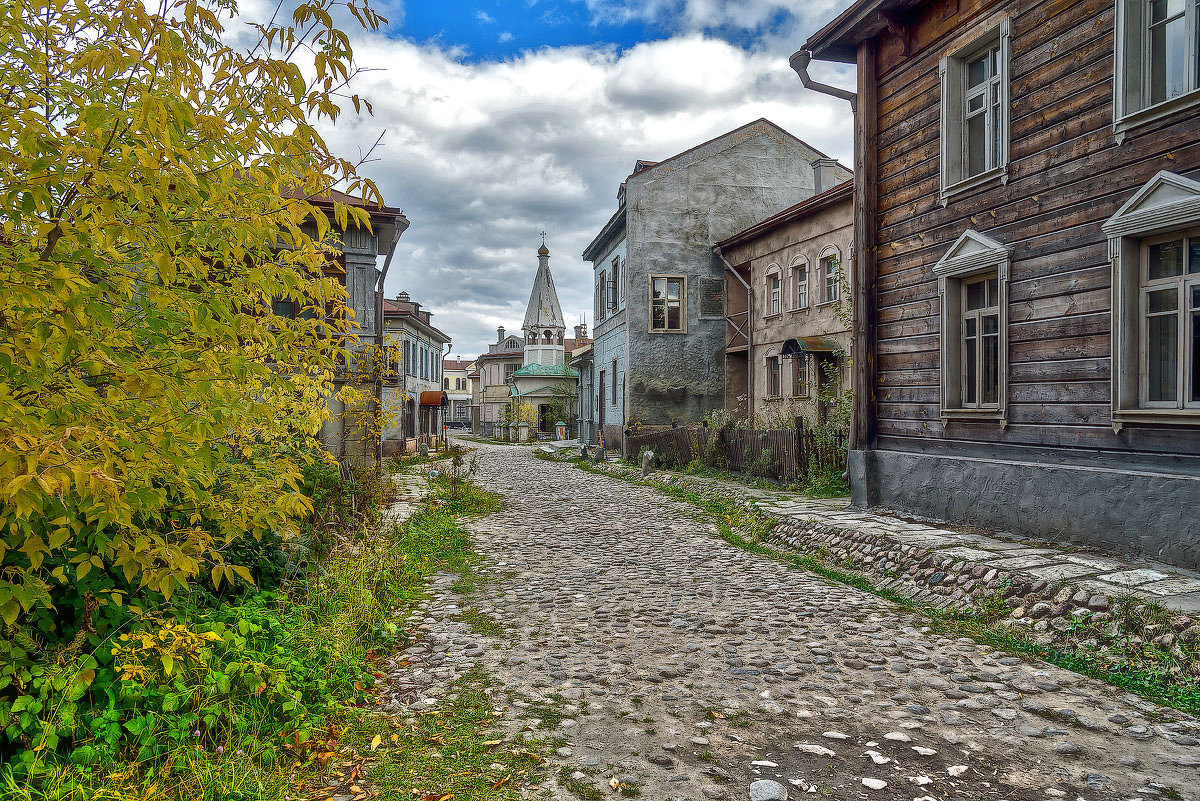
606 233
838 41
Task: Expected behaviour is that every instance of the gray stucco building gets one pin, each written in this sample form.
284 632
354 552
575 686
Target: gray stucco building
660 292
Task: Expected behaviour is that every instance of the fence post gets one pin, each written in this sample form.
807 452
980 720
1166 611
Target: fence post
801 461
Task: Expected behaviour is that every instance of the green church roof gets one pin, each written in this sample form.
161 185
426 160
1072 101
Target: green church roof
555 370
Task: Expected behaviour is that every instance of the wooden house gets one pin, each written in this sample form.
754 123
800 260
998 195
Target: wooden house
1027 276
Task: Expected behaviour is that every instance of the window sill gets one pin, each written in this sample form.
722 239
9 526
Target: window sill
1175 417
772 316
1158 111
968 415
666 331
798 309
974 182
828 302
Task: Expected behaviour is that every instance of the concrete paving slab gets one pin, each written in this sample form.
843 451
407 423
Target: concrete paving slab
1019 562
1172 586
1133 578
974 554
1099 562
1061 572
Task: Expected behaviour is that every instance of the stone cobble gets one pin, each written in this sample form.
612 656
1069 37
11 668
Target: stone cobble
681 667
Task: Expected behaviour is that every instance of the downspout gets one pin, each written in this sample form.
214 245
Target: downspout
800 61
749 330
401 224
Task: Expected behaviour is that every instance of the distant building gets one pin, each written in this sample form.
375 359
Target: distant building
413 405
456 385
504 357
545 380
659 288
787 344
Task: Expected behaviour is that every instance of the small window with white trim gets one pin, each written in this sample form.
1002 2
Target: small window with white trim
1158 59
975 117
774 375
774 290
830 276
800 273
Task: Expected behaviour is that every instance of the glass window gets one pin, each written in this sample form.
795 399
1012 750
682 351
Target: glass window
981 112
773 389
981 343
1166 50
800 377
1170 353
666 304
801 286
774 293
831 275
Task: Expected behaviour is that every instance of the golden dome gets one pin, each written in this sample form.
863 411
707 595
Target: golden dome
543 250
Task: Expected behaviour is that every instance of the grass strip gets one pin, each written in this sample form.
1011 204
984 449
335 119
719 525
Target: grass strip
748 529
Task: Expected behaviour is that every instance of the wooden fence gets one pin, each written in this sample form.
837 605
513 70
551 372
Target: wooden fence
784 454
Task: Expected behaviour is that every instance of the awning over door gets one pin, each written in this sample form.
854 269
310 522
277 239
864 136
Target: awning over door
434 397
794 348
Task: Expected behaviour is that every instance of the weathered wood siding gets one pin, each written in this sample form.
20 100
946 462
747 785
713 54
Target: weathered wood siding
1067 174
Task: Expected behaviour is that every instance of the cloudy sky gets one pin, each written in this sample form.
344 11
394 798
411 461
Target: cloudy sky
503 118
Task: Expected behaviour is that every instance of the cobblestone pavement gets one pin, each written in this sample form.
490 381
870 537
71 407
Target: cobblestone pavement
686 668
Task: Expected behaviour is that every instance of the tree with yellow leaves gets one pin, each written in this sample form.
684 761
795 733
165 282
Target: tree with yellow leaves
154 199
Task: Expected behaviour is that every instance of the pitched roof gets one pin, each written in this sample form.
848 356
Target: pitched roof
548 370
543 310
455 364
829 197
863 19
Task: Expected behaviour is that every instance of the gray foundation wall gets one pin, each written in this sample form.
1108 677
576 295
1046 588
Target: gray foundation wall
1126 511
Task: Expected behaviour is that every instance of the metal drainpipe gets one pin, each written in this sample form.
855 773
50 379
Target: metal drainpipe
749 331
401 224
799 62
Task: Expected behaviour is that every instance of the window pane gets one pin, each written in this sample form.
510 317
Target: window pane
673 288
971 373
991 324
993 291
673 319
1168 59
1166 260
976 145
975 103
975 296
991 367
660 287
1195 382
969 328
1164 300
977 70
1194 254
659 315
1162 335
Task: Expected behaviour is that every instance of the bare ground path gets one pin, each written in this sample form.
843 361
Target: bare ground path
686 668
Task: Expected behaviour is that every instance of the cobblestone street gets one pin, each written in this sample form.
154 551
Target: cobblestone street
686 668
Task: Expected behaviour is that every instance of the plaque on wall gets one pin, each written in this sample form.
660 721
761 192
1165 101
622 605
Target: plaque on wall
712 297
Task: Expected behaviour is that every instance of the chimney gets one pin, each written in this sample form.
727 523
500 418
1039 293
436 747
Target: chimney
824 175
402 297
580 333
500 334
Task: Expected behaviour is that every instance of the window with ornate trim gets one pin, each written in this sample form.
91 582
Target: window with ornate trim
602 296
829 273
1154 244
800 279
774 291
975 112
668 304
1157 60
973 288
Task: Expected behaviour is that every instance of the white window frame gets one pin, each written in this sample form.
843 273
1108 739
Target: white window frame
952 77
823 279
1131 107
773 296
801 298
973 255
682 279
1166 207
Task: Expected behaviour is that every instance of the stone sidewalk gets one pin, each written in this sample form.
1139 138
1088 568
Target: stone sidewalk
1106 575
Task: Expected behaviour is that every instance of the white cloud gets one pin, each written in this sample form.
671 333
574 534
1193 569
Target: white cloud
484 17
505 37
483 156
